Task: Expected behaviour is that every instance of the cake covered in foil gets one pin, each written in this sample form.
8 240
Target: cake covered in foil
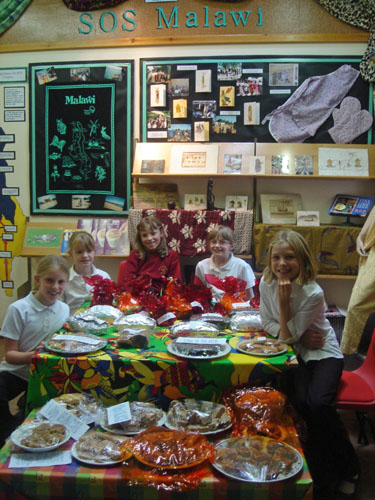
246 321
221 322
135 322
88 323
193 328
108 313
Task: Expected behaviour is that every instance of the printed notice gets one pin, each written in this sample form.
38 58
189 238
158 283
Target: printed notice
200 340
14 115
10 191
43 459
58 414
14 97
13 75
119 413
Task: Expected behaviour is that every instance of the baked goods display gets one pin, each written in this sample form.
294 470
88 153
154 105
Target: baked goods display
246 321
257 410
220 321
198 350
170 449
195 415
75 343
192 328
257 459
84 407
133 339
100 448
143 416
262 346
37 436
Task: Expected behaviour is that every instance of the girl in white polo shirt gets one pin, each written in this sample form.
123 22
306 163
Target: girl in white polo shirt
223 263
27 323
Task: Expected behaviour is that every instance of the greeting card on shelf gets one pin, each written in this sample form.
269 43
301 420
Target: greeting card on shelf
310 218
280 208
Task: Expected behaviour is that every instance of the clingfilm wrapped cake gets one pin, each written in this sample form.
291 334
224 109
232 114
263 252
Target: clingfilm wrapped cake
137 321
193 328
246 321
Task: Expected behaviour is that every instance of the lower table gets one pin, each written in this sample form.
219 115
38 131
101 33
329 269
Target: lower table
131 481
114 375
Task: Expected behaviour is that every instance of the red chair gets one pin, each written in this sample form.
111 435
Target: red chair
357 392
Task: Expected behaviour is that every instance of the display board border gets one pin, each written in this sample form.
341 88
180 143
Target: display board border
110 149
309 66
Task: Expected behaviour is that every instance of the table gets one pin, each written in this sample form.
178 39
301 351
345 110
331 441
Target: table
89 483
115 375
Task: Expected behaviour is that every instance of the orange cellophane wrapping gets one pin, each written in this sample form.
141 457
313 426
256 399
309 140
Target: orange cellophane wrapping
127 303
260 410
170 449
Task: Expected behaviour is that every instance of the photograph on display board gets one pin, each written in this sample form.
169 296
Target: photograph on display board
82 154
268 81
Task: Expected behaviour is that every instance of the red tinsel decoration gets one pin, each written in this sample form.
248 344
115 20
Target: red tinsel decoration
104 290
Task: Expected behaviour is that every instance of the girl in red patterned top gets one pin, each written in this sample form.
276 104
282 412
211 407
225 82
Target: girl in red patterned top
151 255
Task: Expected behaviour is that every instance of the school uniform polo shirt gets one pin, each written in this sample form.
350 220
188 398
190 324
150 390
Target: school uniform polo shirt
30 322
77 291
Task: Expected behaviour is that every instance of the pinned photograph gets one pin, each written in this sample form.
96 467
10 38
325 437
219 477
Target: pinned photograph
158 119
251 113
81 201
201 131
247 87
178 87
179 108
47 201
229 70
46 75
226 97
158 74
283 74
179 132
114 203
204 109
80 74
113 72
203 80
158 95
224 125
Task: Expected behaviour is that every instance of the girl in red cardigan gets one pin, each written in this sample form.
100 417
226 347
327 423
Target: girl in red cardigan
151 255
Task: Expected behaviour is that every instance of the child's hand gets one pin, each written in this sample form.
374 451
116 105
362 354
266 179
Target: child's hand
312 340
284 290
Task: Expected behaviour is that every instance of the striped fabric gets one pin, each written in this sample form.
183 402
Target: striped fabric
10 11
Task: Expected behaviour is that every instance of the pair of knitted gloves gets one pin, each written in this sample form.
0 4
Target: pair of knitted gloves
349 120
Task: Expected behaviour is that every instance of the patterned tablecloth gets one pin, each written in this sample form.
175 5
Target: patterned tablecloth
333 246
134 481
116 375
187 230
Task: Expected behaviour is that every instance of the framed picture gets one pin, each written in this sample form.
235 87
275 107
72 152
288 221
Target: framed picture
83 152
280 208
194 159
201 131
343 162
151 158
238 203
195 202
311 218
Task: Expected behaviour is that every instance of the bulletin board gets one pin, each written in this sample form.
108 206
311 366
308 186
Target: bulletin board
81 135
225 100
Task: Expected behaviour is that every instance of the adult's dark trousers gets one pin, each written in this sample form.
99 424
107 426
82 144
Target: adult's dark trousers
10 387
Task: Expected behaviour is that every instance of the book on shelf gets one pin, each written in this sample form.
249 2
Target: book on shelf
351 205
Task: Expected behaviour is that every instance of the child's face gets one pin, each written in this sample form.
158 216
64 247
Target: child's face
151 238
220 247
51 285
284 262
83 259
